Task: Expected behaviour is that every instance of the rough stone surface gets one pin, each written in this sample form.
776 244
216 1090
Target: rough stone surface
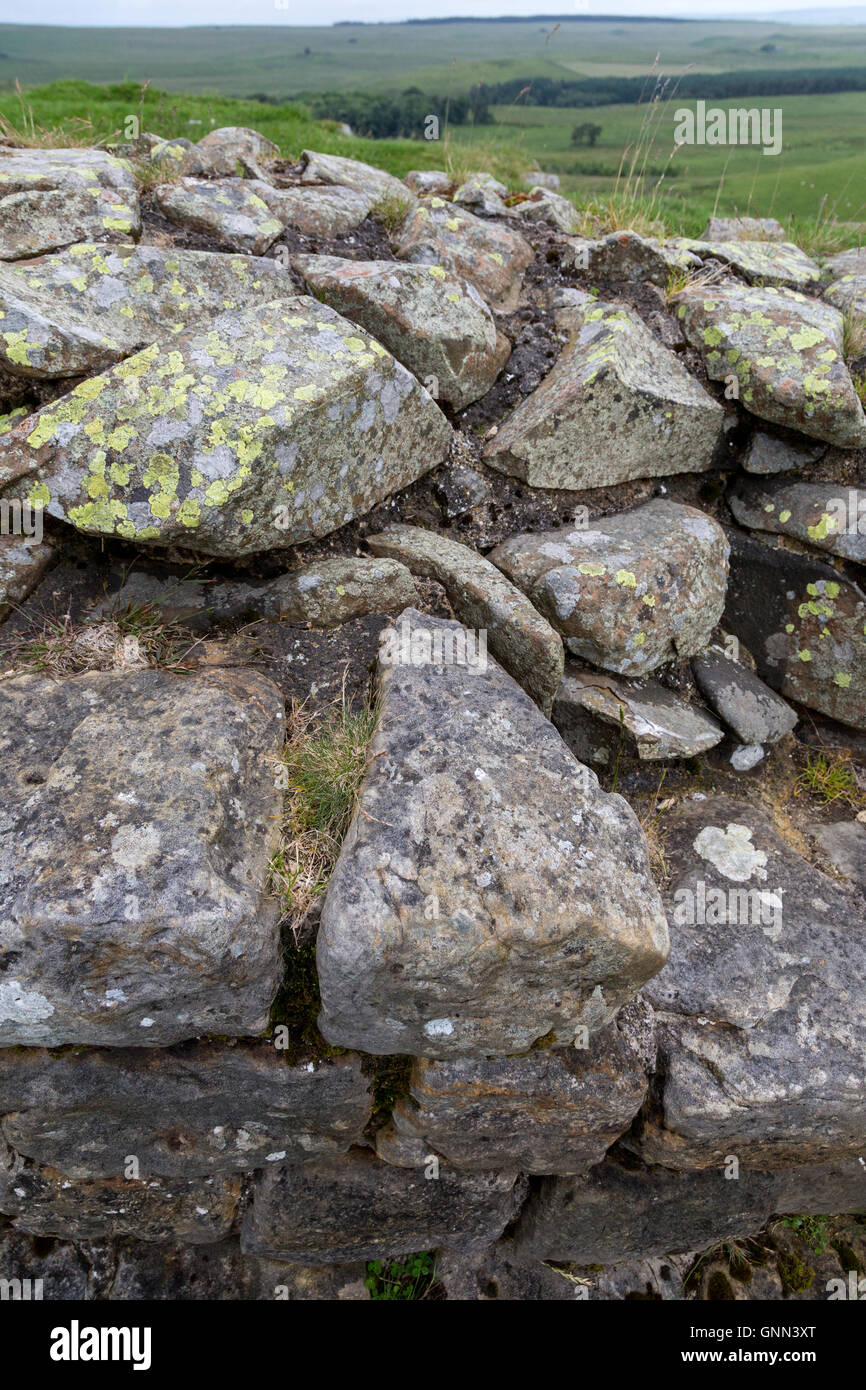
229 209
180 156
804 623
617 405
844 843
483 194
23 562
625 256
490 257
548 1112
744 229
429 181
359 1208
762 1020
825 515
316 212
351 173
77 312
543 205
784 352
759 262
488 893
483 599
436 324
136 835
596 714
632 591
43 1202
741 698
181 1112
51 198
768 455
283 426
234 149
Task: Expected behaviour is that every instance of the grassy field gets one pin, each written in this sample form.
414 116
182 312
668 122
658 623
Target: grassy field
284 61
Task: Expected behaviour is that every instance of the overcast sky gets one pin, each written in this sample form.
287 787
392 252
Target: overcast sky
179 12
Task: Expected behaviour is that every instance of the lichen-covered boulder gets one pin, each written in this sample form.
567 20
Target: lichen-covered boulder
491 257
483 194
482 598
826 515
627 256
848 293
137 830
547 1112
179 1112
805 625
632 591
234 149
436 324
51 198
283 425
180 156
352 173
487 894
781 353
543 205
617 405
316 212
228 209
74 313
767 957
359 1208
759 262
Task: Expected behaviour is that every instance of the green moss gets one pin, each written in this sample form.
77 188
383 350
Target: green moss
795 1274
296 1008
390 1079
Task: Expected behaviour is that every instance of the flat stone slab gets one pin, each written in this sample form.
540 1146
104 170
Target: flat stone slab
435 323
765 454
352 173
77 312
596 714
359 1208
804 623
759 262
283 425
622 1211
23 562
317 212
630 592
760 1008
491 257
783 352
616 406
228 209
740 698
139 822
483 599
178 1112
548 1112
51 198
487 894
825 515
37 1199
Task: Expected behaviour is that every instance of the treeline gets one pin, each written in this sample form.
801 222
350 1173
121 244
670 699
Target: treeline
715 86
394 116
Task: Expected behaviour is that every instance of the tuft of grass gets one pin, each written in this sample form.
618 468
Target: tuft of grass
324 761
831 779
853 336
391 212
25 132
657 834
691 277
406 1280
859 383
136 638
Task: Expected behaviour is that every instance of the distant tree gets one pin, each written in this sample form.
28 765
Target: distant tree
586 133
768 48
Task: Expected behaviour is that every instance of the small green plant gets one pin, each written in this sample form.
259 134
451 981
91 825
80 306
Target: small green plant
391 212
860 387
407 1280
323 765
811 1229
831 779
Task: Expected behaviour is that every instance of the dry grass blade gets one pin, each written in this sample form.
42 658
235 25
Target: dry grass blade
137 638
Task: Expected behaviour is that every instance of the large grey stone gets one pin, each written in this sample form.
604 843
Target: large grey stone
625 256
759 262
597 715
617 405
139 820
630 592
548 1112
53 197
233 149
179 1112
435 323
825 515
741 698
283 425
482 598
229 209
491 257
359 1208
766 454
316 212
352 173
487 894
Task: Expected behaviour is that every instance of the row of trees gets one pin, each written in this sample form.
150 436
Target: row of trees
389 117
717 86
